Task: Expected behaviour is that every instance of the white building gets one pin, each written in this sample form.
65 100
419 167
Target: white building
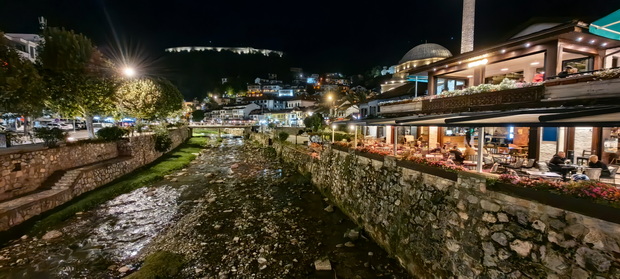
300 101
26 44
236 112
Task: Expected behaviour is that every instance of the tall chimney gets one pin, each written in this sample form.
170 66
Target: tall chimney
467 33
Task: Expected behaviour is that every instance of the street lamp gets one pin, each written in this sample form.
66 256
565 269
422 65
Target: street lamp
129 72
333 132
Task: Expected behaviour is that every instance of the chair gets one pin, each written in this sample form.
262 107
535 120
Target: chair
494 168
588 152
530 163
517 165
543 167
593 173
611 176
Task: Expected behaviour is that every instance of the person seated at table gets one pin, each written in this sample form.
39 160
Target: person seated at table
595 163
437 149
458 155
469 151
556 161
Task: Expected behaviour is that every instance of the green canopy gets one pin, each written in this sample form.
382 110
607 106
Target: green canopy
608 26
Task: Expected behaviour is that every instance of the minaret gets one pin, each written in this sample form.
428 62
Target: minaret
467 33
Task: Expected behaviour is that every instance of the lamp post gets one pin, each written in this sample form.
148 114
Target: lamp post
333 132
129 72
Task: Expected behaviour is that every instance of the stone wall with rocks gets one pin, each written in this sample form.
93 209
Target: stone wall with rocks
134 153
444 225
23 172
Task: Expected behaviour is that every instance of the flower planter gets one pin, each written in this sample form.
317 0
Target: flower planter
428 169
372 156
579 205
340 148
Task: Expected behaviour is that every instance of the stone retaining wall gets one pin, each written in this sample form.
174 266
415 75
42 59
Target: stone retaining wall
23 172
442 227
135 152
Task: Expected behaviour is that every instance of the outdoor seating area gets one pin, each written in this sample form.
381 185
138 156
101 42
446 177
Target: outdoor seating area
509 159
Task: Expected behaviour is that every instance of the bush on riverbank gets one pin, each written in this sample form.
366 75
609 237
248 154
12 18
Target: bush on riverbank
177 159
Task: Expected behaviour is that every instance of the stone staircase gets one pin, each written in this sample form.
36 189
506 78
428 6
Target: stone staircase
68 179
59 189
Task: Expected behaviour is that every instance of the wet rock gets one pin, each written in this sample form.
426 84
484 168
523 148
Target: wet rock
353 234
209 175
112 267
349 244
329 208
217 227
124 269
322 265
174 180
211 200
51 235
234 166
24 237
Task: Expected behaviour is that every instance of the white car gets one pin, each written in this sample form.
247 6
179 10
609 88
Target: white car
61 126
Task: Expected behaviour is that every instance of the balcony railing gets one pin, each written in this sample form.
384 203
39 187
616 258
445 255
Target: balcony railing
482 101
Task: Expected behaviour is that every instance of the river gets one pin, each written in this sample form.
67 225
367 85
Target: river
235 212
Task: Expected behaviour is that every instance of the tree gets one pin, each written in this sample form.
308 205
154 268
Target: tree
147 98
20 84
315 121
198 115
79 80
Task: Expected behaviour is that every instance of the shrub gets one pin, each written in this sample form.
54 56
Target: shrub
140 127
282 136
50 136
111 133
162 140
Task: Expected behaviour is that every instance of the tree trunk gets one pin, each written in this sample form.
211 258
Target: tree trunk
89 126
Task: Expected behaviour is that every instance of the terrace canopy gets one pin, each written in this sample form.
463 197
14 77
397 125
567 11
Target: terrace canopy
608 26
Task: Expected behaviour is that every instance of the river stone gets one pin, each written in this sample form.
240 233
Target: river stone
489 218
51 235
322 265
579 273
576 230
502 217
262 260
521 247
453 246
329 208
555 262
353 234
539 225
124 269
489 206
500 238
174 180
349 244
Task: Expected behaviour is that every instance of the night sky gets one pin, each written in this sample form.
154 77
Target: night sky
350 37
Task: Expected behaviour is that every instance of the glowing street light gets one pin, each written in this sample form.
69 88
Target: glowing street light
333 132
129 72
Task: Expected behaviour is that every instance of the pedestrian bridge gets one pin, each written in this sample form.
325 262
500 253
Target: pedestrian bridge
212 126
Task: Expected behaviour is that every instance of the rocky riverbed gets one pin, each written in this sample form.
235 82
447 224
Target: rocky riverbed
236 212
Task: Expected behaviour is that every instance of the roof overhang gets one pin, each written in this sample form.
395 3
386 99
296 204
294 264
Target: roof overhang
608 26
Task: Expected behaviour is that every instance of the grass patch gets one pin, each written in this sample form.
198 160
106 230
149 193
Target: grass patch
174 160
161 264
202 132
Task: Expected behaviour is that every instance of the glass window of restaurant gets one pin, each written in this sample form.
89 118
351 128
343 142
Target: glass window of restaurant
579 62
450 84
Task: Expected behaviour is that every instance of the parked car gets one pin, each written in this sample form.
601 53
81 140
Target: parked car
62 126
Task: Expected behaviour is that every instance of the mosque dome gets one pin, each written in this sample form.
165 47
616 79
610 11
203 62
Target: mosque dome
425 51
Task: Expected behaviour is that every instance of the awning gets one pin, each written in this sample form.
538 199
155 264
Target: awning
608 26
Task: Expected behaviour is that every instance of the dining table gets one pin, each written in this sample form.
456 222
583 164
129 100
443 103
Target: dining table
567 168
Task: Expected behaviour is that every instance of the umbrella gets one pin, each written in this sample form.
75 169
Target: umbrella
608 26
